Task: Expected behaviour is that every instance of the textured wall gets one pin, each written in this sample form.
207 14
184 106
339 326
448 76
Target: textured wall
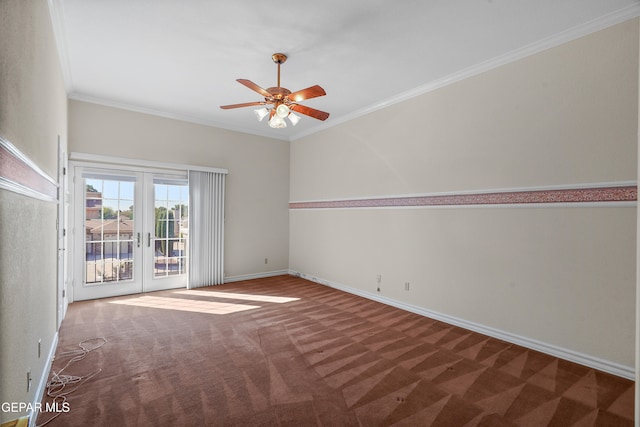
561 275
33 110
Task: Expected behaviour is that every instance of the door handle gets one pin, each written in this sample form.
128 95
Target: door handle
138 239
148 240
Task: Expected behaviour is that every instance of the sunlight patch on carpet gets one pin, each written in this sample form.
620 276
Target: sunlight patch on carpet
210 307
247 297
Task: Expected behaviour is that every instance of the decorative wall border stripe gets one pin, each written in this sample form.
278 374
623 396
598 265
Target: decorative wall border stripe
20 175
624 193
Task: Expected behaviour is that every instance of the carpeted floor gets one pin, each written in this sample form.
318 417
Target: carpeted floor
288 352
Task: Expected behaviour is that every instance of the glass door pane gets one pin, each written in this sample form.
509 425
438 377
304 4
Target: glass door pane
109 231
171 233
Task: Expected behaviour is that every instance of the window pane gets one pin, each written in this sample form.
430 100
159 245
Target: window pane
94 251
126 191
110 189
174 193
126 270
161 192
171 206
126 251
94 185
108 230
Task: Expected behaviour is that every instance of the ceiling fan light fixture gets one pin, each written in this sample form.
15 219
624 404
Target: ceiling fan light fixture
277 122
282 111
261 113
294 118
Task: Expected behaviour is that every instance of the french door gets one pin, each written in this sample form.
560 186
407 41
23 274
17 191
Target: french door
131 232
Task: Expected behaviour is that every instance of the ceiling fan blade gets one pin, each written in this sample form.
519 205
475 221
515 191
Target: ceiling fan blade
308 93
311 112
251 85
246 104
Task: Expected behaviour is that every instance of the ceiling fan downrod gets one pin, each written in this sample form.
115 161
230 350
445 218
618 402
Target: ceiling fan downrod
279 58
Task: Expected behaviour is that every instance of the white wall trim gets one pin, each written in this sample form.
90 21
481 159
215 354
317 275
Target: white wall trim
123 161
31 189
6 184
553 350
251 276
7 145
42 385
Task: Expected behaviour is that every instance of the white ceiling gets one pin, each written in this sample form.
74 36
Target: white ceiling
180 59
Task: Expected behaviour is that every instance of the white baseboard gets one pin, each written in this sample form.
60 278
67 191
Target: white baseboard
42 384
553 350
255 276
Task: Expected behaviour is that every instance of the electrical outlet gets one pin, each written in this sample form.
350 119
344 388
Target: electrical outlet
266 260
406 286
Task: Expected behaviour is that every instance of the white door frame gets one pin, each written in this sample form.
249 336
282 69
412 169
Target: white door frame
151 281
143 211
82 291
62 300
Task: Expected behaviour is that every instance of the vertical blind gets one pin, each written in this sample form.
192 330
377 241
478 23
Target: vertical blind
206 228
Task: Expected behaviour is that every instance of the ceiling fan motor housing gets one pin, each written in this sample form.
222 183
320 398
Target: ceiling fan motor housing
278 93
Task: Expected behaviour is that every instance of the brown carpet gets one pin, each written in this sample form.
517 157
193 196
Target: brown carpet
327 358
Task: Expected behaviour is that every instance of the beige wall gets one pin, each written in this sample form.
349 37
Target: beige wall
257 192
564 276
566 115
33 113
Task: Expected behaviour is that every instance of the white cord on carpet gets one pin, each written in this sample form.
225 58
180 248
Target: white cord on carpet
57 385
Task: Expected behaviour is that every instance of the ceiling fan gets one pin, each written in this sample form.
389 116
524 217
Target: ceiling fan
282 101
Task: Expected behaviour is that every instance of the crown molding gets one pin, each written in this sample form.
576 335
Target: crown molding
563 37
164 114
57 23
